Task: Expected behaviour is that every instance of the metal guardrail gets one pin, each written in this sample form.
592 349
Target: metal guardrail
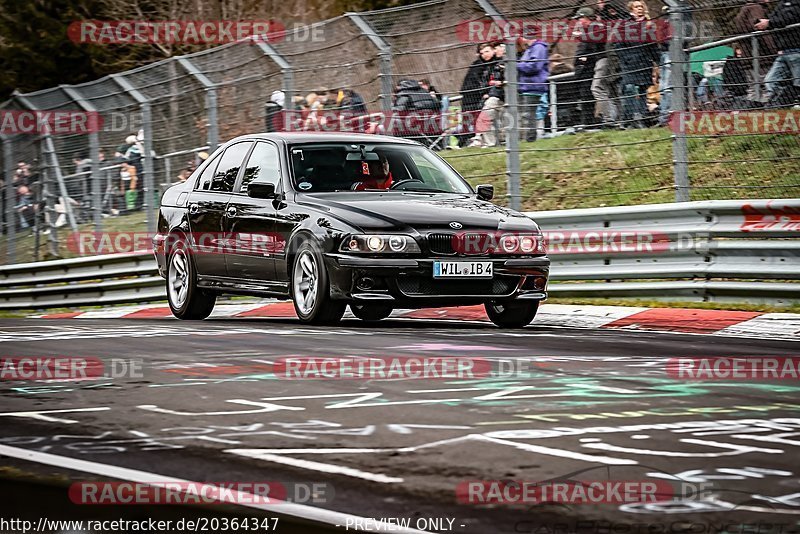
694 251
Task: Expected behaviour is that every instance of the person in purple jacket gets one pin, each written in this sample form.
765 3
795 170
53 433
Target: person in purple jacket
534 69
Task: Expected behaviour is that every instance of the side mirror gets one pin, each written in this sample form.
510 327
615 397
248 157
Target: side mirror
485 192
256 190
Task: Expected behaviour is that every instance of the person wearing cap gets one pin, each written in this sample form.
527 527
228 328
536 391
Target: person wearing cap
586 55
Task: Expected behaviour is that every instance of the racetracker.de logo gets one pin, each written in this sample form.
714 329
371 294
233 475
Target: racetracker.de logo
567 30
174 31
396 368
735 122
735 368
510 492
52 122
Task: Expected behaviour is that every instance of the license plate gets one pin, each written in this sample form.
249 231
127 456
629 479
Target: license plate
462 269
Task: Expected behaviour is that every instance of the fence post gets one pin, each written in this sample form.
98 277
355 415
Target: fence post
94 155
147 127
288 78
385 56
211 101
11 220
512 126
756 68
678 81
51 161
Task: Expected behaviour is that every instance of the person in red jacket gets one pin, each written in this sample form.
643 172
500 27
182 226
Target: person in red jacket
374 175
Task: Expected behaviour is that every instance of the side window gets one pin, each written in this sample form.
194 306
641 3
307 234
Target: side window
204 183
229 166
263 166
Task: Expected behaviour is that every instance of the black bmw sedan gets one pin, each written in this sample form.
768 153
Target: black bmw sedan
330 220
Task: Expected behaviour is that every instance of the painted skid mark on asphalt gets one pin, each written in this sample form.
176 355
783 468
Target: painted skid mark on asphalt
46 415
319 515
332 469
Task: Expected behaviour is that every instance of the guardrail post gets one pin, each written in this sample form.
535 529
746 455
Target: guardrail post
147 127
94 155
384 55
286 73
211 100
10 211
679 77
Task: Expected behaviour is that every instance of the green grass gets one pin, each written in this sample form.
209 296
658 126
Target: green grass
25 245
582 171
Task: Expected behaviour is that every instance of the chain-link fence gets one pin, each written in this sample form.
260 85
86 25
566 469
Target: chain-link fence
697 100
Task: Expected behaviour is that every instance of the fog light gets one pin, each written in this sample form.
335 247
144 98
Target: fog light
365 283
540 282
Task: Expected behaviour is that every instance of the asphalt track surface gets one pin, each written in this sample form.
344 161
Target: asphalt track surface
586 405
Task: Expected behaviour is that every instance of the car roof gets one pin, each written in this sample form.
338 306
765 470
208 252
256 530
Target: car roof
325 137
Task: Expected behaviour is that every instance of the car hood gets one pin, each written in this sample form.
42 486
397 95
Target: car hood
406 211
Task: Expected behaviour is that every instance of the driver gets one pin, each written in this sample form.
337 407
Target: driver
374 175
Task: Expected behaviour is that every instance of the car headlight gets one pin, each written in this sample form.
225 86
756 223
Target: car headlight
521 243
377 243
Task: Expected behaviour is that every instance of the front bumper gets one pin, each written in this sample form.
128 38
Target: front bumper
410 280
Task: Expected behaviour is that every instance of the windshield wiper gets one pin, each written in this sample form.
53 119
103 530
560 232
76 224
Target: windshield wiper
416 190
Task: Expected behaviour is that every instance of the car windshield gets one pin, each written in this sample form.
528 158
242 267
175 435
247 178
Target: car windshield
331 167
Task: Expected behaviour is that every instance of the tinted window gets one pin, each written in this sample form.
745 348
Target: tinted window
208 173
262 166
229 166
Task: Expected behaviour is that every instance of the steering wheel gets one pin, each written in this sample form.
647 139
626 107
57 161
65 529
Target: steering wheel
396 185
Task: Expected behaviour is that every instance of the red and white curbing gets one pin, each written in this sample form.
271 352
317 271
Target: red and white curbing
692 321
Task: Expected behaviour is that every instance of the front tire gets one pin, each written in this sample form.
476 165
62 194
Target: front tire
511 314
371 312
311 288
186 300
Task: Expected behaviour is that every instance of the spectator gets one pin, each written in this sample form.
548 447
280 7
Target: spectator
636 62
347 100
475 89
783 77
25 207
426 84
22 176
133 156
485 132
412 97
653 95
602 77
745 22
534 70
586 56
735 74
79 186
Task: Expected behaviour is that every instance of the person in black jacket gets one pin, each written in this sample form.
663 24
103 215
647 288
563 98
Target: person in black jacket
412 97
636 62
475 89
485 126
783 77
586 56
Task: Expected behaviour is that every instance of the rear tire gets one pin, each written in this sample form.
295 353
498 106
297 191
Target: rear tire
371 312
511 314
186 300
311 288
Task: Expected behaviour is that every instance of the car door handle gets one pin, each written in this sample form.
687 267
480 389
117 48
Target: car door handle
231 211
194 208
